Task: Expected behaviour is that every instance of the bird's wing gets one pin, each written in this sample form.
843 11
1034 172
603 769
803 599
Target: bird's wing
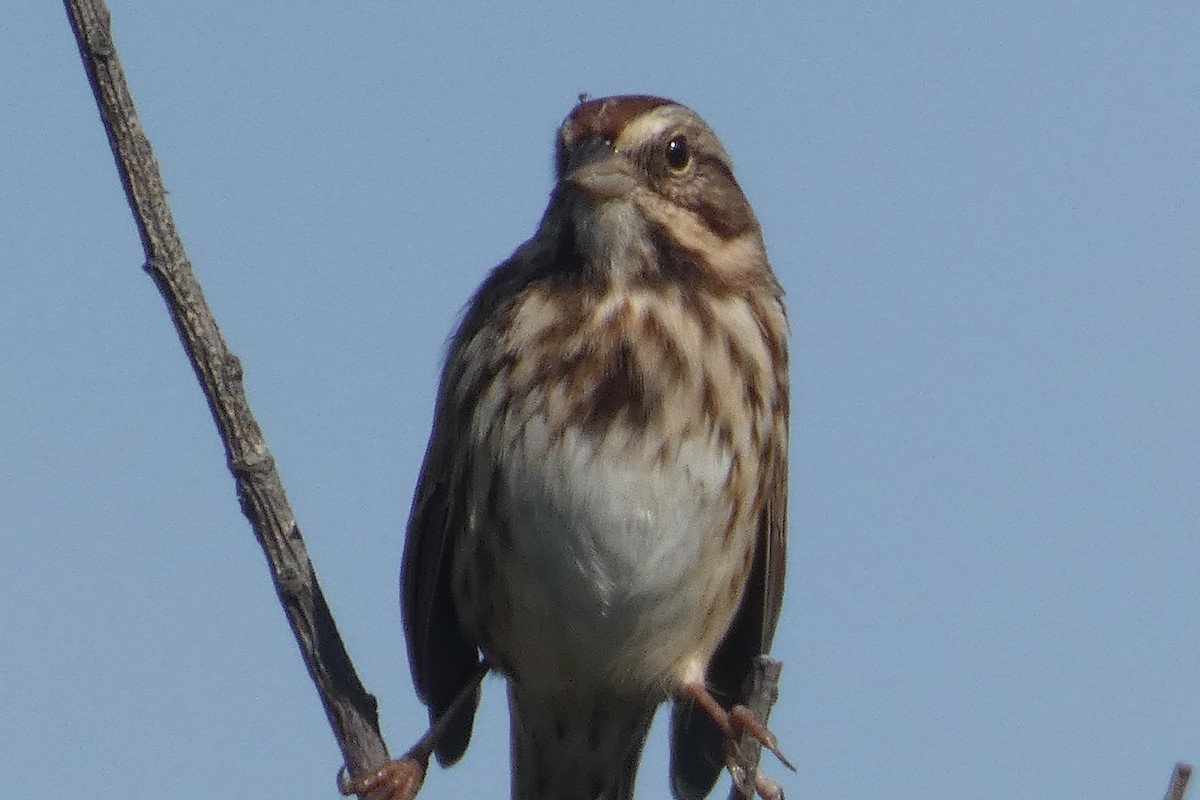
697 747
443 656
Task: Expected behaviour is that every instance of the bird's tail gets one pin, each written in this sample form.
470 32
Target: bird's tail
576 747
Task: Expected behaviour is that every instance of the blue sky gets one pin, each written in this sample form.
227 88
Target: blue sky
985 217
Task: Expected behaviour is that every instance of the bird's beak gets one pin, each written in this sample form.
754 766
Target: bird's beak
599 171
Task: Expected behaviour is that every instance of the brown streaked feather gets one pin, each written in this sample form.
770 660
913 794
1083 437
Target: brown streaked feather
442 656
697 746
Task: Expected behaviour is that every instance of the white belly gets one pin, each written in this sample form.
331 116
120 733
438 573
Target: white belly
607 537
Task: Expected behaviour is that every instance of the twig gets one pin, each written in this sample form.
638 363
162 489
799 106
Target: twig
764 692
351 709
1179 782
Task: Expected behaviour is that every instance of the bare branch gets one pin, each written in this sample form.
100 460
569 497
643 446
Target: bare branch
764 692
1179 782
351 709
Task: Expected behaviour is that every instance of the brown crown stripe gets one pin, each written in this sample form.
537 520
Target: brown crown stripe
607 116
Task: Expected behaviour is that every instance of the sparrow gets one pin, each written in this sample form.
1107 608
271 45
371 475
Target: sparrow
601 512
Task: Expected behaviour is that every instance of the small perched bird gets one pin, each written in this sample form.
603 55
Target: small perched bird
601 511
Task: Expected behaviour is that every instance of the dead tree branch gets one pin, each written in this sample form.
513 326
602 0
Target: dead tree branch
1179 782
764 691
351 709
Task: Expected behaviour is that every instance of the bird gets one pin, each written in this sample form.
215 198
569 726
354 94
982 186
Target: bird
601 512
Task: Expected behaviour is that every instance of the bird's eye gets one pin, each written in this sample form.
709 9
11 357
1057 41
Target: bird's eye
678 154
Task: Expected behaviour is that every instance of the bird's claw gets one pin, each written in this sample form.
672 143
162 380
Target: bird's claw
745 721
761 785
396 780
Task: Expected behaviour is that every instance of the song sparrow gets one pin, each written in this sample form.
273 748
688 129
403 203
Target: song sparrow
602 506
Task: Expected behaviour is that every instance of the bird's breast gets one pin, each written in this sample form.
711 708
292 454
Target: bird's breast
615 477
612 547
611 524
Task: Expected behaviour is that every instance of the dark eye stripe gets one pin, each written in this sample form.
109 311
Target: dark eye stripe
721 203
716 165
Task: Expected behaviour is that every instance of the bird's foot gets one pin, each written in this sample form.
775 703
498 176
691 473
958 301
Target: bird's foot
744 721
402 778
761 785
396 780
735 724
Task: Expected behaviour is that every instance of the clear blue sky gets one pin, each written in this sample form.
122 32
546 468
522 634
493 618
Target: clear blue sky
987 220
